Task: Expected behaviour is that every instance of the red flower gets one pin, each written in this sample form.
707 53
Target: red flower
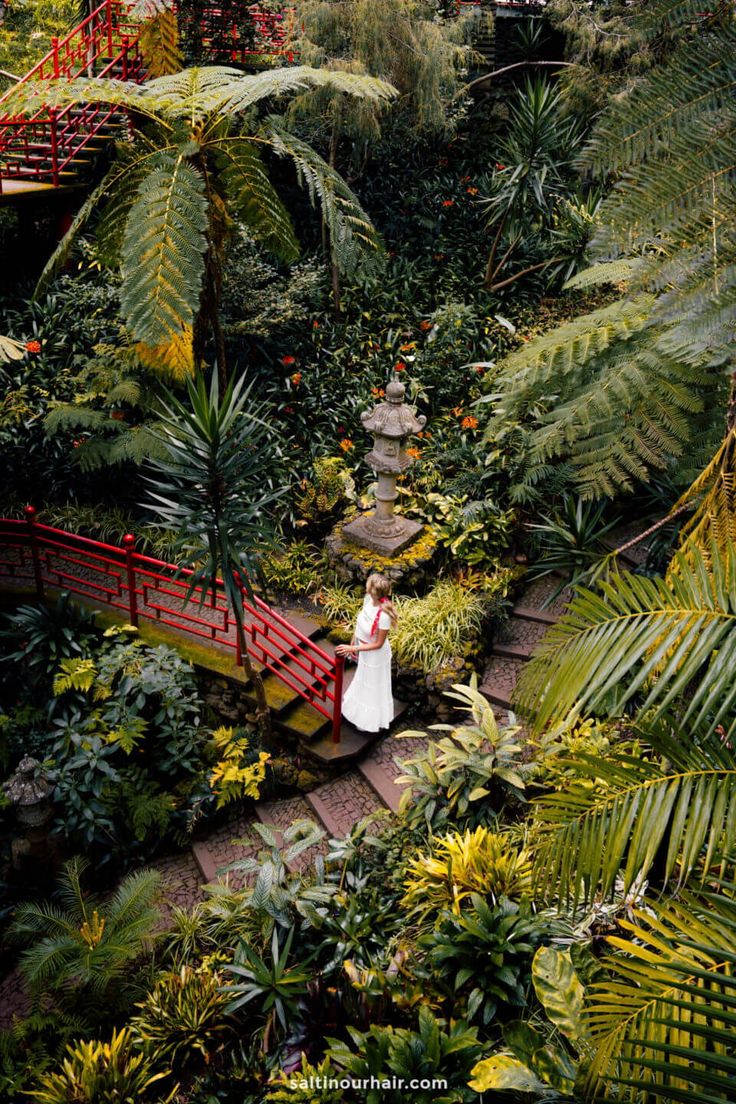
341 429
287 361
315 325
117 415
377 392
472 191
288 410
33 346
500 168
399 367
425 324
439 256
448 202
76 444
296 379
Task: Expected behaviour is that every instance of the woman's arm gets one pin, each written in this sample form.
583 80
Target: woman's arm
345 649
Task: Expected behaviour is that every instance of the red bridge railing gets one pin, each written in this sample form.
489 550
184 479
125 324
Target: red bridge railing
43 147
138 586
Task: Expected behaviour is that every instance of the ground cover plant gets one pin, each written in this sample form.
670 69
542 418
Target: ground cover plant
544 257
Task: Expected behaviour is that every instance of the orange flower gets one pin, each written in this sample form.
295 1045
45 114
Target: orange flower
479 369
415 453
399 367
408 347
315 325
472 191
448 202
118 415
469 422
377 392
425 325
346 444
296 379
438 256
287 361
33 346
457 411
464 179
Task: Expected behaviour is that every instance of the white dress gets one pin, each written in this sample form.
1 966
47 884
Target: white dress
368 702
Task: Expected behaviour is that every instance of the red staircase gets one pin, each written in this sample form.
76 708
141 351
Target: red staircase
121 580
55 147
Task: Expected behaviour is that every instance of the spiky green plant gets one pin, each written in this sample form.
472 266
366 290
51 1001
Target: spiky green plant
80 949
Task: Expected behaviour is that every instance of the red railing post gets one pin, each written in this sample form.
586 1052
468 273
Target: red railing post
55 56
129 546
337 711
30 512
54 147
124 56
109 28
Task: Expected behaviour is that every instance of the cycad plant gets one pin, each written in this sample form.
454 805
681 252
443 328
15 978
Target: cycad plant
170 201
211 491
81 951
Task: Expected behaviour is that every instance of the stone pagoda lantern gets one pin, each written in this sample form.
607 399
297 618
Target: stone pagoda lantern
29 792
392 423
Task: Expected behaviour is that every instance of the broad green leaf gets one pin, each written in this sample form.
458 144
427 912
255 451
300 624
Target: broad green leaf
559 990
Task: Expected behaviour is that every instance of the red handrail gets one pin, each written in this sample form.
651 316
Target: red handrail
143 587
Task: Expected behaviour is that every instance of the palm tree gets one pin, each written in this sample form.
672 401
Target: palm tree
211 491
169 202
81 950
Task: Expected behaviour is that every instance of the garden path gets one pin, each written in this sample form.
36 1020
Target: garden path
369 785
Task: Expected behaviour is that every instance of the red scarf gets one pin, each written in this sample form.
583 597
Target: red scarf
376 619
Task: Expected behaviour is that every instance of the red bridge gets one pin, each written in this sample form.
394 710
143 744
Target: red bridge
54 148
40 558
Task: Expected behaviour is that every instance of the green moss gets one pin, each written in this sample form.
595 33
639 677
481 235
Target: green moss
418 553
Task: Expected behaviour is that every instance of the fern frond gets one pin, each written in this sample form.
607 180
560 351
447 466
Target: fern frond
713 525
173 357
63 250
162 260
254 198
159 43
352 235
243 92
608 272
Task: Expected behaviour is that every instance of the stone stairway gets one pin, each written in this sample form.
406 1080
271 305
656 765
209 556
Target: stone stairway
291 713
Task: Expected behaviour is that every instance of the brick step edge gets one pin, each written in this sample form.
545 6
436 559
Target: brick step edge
529 613
512 651
205 863
381 783
495 697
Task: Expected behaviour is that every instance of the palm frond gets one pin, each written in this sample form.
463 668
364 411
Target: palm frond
162 260
655 640
661 1024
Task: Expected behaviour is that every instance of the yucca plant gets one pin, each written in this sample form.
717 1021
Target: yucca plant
169 202
211 492
81 950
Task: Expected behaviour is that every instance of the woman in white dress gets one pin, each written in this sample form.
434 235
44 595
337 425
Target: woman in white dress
368 702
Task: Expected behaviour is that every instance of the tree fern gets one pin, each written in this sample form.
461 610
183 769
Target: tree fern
162 260
652 641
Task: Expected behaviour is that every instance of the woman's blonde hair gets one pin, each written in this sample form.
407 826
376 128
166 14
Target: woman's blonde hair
379 587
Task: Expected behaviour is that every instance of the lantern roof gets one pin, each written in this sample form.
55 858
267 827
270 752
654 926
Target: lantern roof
393 418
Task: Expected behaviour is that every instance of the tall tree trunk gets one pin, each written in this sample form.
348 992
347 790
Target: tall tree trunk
263 714
334 270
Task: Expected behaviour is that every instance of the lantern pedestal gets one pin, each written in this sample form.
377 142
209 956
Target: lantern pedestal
388 538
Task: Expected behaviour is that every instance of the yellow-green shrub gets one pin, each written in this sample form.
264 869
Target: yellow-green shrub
460 864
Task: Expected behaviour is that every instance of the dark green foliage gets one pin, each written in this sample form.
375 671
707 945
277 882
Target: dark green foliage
481 958
434 1050
571 543
39 637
